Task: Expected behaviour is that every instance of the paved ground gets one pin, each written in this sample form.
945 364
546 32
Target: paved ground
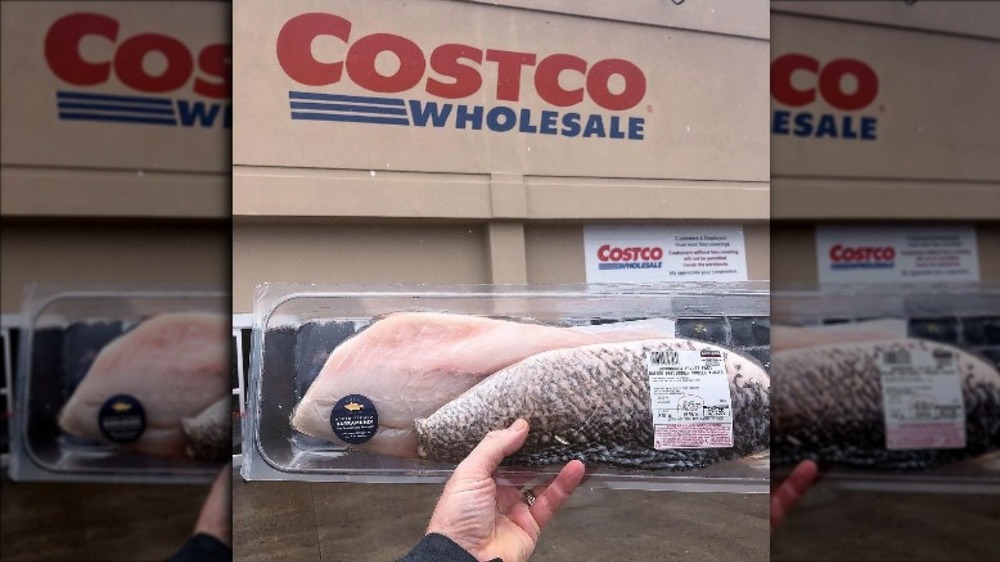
309 522
833 524
43 521
306 522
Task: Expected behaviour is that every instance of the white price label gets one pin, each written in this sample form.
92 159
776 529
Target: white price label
922 399
690 399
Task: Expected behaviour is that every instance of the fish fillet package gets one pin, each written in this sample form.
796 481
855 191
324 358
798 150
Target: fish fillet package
889 386
660 387
123 385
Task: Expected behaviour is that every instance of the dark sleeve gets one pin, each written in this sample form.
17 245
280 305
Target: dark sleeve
439 548
203 548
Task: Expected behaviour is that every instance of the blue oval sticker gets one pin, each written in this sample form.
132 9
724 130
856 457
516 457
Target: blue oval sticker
122 419
354 419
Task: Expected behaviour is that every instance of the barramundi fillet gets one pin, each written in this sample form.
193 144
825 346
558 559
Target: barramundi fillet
411 364
828 405
176 365
593 403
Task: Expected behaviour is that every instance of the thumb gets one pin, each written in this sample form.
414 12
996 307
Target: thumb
497 445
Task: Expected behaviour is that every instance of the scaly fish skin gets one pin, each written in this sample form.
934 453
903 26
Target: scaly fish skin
592 403
209 434
828 406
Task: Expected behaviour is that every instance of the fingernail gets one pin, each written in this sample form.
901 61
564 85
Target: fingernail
519 425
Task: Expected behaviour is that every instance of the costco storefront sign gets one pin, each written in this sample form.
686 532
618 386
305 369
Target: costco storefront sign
443 73
384 86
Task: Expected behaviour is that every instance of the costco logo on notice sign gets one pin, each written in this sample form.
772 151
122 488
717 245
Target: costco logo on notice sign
611 257
862 257
454 71
153 66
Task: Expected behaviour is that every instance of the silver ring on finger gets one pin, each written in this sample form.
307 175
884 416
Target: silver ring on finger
529 497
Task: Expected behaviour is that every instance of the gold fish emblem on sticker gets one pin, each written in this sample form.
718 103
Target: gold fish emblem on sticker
353 406
121 406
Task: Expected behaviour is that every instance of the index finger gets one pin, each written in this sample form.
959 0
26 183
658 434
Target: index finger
555 495
789 492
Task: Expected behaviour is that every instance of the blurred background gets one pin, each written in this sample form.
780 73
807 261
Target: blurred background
885 210
115 179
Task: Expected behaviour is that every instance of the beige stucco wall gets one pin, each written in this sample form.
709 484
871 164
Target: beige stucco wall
742 18
190 253
367 252
970 18
938 132
325 251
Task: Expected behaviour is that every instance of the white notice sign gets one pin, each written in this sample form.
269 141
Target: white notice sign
896 254
641 254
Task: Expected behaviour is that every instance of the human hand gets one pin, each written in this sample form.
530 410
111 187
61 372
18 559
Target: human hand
491 521
215 518
789 492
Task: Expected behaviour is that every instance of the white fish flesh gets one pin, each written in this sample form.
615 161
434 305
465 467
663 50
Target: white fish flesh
411 364
176 365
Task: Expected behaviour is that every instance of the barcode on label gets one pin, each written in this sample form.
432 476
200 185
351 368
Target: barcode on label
897 357
666 357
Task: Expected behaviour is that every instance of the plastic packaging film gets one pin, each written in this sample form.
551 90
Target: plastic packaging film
122 385
891 388
396 383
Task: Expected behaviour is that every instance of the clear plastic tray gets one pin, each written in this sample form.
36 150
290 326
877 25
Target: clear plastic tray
63 332
297 326
964 316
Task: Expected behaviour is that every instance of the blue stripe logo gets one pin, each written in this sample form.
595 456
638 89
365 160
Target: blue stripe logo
864 265
83 106
630 265
350 109
142 110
